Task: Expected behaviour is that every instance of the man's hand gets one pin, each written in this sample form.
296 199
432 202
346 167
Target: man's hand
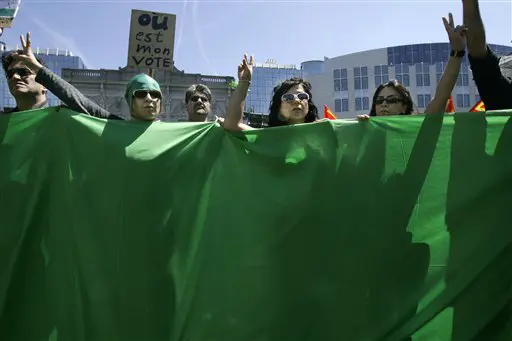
27 57
245 69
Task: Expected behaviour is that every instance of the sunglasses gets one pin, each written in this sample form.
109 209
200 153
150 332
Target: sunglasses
141 94
196 98
20 71
303 96
388 100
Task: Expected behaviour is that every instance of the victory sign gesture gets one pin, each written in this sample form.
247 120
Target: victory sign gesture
245 69
456 34
27 56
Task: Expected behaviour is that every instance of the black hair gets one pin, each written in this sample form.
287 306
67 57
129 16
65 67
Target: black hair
275 104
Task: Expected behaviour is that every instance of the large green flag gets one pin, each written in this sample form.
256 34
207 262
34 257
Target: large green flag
394 229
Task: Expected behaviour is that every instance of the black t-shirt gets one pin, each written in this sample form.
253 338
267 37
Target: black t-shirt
493 80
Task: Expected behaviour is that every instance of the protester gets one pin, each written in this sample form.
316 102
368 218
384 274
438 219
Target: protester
236 103
142 93
392 98
492 75
198 100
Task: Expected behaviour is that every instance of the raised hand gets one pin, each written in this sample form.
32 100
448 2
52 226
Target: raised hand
27 56
245 69
456 34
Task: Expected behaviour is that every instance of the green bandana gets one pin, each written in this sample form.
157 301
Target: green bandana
139 82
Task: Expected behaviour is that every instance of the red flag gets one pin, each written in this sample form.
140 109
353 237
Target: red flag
328 113
450 107
479 106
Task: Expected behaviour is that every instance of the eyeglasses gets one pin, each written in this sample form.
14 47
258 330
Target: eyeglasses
388 100
196 98
302 96
20 71
141 94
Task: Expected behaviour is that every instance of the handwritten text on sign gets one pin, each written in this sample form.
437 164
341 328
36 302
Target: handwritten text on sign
151 40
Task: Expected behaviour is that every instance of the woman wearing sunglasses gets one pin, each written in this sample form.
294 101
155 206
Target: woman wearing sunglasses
292 103
392 98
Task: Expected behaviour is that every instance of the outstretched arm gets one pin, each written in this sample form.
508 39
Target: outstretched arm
477 45
457 37
66 92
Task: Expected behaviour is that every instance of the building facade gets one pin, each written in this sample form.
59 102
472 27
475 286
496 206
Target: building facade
348 82
264 78
107 87
56 60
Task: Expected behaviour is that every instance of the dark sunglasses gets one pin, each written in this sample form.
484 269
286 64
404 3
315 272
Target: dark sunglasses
20 71
388 100
141 94
196 98
303 96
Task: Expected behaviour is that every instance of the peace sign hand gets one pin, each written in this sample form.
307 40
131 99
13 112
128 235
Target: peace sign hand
245 69
456 35
27 56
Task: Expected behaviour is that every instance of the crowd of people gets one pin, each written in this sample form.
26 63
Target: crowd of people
292 103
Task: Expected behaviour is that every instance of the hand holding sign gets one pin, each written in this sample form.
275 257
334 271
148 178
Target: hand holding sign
27 56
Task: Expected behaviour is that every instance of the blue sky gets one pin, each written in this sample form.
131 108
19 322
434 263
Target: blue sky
211 36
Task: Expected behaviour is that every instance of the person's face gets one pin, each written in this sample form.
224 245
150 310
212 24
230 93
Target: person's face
198 107
22 81
146 105
389 102
294 104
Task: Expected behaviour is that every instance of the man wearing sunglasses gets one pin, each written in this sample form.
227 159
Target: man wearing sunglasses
28 93
198 100
29 80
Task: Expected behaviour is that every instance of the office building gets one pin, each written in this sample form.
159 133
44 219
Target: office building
347 83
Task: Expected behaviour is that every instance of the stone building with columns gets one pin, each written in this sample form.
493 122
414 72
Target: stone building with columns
106 87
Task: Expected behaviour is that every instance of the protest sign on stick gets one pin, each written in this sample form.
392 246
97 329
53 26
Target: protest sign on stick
151 42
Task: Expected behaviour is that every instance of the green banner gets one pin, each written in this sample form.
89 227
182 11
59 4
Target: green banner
393 229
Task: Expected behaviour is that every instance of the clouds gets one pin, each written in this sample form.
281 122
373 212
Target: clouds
61 41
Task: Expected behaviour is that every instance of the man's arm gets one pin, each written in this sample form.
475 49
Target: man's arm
66 92
494 89
70 95
477 45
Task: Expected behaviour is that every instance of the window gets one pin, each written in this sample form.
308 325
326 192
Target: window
340 80
362 103
463 79
440 66
337 105
462 100
381 75
424 100
341 105
402 74
361 77
344 104
422 75
359 104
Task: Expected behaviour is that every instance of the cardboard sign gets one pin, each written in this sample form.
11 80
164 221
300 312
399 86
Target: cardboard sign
8 11
151 43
